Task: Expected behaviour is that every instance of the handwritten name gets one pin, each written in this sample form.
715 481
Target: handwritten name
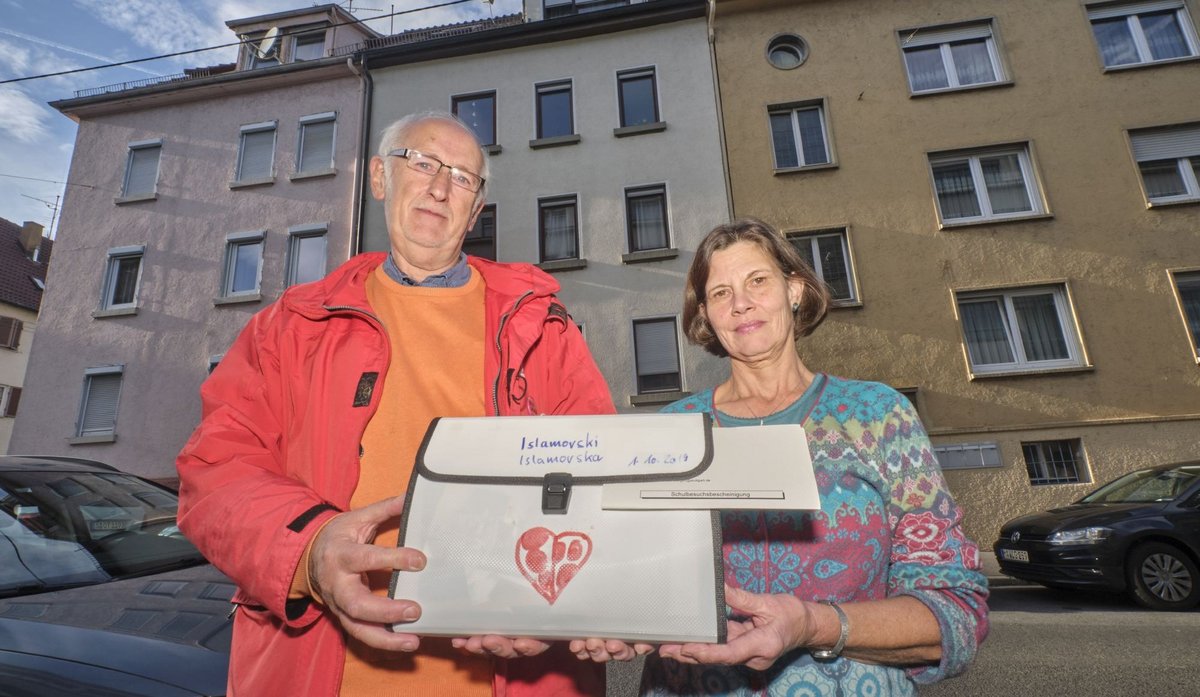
585 443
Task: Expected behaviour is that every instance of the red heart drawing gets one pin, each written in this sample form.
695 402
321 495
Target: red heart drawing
549 561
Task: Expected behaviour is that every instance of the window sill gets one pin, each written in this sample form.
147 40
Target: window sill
248 183
136 198
316 174
494 149
996 221
964 88
115 312
1148 64
625 131
563 265
845 304
649 255
88 440
238 299
554 142
1180 201
1031 372
807 168
652 399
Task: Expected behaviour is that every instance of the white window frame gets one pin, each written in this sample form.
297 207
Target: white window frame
958 456
792 109
1079 462
1076 357
293 49
296 236
1180 143
943 36
811 237
1190 277
1130 11
250 129
637 369
115 256
134 148
89 374
329 117
1033 189
232 243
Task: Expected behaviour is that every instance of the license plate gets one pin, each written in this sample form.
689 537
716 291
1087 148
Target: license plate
1014 555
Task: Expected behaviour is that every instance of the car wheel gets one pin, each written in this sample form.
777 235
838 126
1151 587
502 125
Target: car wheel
1161 577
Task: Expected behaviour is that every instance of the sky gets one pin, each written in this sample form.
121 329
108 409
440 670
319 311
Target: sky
47 36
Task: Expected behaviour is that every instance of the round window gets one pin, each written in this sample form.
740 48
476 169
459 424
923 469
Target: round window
787 51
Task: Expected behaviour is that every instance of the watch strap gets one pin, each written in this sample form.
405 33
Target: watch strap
832 653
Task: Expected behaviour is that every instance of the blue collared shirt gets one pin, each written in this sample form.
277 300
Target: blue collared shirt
454 277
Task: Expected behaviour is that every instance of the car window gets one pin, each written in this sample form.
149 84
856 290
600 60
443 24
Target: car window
60 529
1145 486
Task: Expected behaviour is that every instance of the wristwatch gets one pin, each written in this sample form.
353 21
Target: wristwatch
826 655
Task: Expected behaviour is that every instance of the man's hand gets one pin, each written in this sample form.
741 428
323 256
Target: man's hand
341 555
605 650
502 647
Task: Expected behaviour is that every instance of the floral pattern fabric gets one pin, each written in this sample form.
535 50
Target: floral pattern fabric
887 526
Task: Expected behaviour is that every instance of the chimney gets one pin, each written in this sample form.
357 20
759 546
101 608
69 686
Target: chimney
31 237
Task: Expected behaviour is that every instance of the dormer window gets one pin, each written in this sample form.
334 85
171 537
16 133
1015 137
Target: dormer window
309 46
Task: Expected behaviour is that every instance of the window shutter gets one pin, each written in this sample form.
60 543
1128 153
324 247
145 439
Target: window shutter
316 153
1166 144
14 397
1128 8
143 171
258 149
913 38
656 347
100 407
10 332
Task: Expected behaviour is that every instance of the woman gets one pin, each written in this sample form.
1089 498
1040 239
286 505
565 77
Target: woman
874 593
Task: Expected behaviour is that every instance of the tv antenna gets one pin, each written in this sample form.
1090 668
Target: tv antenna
53 211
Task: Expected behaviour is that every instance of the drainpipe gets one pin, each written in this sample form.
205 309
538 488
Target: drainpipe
712 58
364 157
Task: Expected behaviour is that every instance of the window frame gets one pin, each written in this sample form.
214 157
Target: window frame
988 455
133 149
89 376
297 235
640 389
457 99
329 117
1129 10
233 242
1191 325
1179 143
1068 323
298 37
488 210
627 76
793 109
553 87
111 276
555 202
1078 462
645 191
10 332
10 399
249 130
972 156
944 36
843 233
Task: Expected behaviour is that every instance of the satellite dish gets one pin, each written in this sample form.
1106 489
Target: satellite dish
268 45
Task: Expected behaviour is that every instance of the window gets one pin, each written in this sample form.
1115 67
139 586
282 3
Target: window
309 46
98 407
10 397
256 153
558 228
1188 286
637 97
243 264
967 455
646 218
554 116
562 8
481 238
10 332
141 169
479 112
306 253
828 253
1054 461
1169 161
983 185
121 278
798 135
1016 330
255 45
316 143
656 351
787 51
214 361
1135 33
950 57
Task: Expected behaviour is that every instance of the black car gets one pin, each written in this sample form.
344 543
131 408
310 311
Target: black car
100 594
1139 534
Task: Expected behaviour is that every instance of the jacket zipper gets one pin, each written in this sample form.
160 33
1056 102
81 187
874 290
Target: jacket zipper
500 352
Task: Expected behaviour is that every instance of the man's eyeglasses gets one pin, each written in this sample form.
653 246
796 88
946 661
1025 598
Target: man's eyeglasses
431 166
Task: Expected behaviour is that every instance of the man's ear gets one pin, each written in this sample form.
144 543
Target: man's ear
475 214
378 178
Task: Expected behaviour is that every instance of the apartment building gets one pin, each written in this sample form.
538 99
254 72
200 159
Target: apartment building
24 258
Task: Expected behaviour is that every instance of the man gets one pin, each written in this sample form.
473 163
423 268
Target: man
311 424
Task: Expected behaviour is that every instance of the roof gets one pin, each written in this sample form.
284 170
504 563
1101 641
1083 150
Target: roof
18 271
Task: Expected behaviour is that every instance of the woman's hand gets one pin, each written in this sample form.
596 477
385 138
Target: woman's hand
499 646
605 650
777 624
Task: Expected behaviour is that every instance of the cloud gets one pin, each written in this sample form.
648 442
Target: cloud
22 117
162 26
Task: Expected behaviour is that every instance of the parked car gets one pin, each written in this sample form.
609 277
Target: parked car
100 594
1139 533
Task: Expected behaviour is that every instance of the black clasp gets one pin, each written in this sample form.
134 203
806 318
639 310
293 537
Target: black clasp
556 492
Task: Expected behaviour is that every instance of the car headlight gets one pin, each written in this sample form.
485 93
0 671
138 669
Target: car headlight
1082 536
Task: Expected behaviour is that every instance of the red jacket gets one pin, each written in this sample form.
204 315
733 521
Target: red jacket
277 451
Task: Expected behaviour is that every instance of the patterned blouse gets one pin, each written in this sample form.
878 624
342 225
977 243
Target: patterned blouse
887 526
